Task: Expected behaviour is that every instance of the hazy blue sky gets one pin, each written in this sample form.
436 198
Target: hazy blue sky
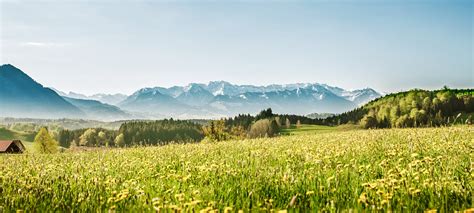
105 46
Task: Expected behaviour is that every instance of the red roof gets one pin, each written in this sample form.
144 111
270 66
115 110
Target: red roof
5 144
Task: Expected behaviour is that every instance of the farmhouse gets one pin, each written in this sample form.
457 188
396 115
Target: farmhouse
11 146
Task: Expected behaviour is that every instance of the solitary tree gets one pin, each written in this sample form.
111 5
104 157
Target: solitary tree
44 143
261 128
298 124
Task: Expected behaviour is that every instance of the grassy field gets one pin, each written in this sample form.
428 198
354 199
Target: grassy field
315 129
409 170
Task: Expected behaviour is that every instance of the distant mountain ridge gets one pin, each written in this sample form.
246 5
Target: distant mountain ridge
97 109
111 99
21 96
221 98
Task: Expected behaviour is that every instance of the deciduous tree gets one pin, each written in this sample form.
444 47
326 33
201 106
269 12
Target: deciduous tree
44 143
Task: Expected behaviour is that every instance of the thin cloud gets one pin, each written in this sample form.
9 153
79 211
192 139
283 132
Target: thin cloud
43 44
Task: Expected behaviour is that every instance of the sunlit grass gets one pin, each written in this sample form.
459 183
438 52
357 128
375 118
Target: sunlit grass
409 170
315 129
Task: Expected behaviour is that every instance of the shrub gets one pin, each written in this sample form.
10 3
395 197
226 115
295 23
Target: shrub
263 128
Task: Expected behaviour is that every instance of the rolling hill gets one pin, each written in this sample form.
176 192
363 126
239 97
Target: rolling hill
414 108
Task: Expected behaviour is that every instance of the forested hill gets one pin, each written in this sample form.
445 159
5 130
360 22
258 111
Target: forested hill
414 108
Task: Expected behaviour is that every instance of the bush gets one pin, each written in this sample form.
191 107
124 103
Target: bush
264 128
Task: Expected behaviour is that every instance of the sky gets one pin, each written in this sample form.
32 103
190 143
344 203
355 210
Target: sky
92 46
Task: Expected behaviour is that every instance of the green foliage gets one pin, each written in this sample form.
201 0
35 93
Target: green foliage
102 138
119 140
134 133
415 108
368 122
267 113
44 143
239 127
242 120
96 137
293 119
264 128
88 138
245 121
216 131
389 170
160 132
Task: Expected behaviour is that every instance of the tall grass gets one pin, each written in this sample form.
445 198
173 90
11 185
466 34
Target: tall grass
399 169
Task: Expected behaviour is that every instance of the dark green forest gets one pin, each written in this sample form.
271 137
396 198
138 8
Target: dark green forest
160 132
246 120
134 133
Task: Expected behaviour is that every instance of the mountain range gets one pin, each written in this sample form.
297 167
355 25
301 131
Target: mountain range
21 96
220 98
111 99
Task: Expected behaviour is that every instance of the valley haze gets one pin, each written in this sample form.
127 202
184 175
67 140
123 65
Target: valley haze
21 96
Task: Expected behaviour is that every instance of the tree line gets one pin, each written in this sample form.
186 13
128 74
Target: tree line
264 124
93 137
160 132
134 133
414 108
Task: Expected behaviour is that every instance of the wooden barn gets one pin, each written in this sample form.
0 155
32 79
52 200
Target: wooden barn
11 146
